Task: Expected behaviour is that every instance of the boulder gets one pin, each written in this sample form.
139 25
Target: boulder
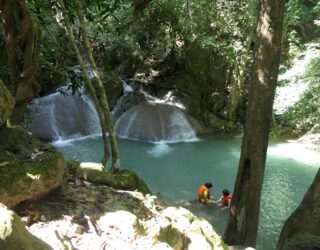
7 103
94 172
122 179
14 235
29 169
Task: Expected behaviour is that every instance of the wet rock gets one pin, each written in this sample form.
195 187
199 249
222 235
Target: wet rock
29 169
126 102
14 235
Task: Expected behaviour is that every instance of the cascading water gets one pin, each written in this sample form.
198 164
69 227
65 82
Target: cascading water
60 117
153 120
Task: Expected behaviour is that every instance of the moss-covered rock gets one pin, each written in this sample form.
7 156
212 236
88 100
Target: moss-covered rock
14 235
129 180
95 173
29 169
6 103
122 179
173 237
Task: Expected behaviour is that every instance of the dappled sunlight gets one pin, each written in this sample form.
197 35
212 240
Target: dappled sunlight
295 151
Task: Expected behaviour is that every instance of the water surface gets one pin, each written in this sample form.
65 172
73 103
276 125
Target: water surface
176 171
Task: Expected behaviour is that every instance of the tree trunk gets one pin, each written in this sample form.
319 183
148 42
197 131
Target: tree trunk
102 94
243 219
21 40
88 82
306 218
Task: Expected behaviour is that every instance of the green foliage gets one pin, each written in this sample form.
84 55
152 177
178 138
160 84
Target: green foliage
306 113
300 26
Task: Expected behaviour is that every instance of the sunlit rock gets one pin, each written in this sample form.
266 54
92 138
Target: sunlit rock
94 172
122 179
14 235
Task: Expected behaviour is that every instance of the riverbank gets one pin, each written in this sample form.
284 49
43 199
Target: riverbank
86 215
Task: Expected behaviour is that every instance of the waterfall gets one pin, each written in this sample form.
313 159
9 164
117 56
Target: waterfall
61 117
138 116
155 122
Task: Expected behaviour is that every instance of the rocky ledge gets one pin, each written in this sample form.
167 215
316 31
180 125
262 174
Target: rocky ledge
86 215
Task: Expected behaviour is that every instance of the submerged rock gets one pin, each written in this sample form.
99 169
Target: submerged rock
29 169
14 235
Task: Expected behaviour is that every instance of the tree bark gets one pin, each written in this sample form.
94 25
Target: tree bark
21 40
243 219
102 94
306 218
88 82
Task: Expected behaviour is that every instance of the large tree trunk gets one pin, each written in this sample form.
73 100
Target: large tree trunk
306 218
243 220
87 82
102 94
21 40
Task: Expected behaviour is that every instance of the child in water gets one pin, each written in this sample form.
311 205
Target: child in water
225 200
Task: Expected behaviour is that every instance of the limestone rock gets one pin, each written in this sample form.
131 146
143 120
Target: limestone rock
173 237
6 103
14 235
29 169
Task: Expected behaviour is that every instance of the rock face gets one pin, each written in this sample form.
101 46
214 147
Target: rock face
14 235
6 103
155 122
29 169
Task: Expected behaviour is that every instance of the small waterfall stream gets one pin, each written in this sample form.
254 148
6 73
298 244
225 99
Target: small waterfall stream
60 117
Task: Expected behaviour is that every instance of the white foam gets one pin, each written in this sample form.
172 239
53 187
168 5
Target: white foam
160 149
